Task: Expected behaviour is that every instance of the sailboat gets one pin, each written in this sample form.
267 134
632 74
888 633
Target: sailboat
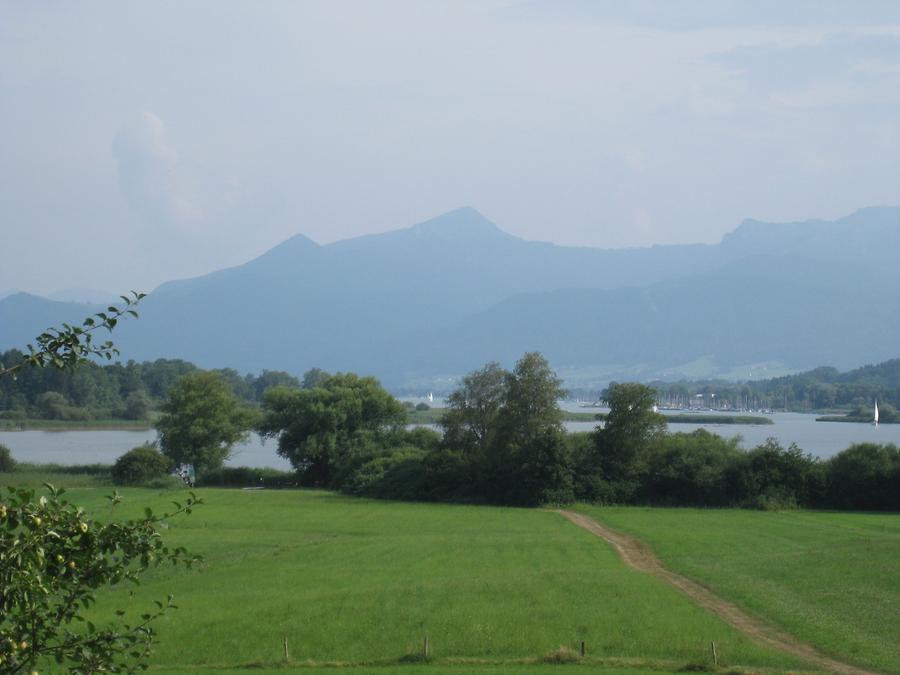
875 421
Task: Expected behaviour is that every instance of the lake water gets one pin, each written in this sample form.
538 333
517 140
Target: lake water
822 439
104 447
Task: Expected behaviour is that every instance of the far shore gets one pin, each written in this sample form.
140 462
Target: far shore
69 425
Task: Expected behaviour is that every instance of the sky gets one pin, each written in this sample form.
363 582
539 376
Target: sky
147 141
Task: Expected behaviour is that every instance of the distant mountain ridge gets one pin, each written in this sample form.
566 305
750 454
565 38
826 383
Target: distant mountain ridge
441 297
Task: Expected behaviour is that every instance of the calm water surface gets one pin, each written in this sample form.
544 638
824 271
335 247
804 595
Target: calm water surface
104 447
822 439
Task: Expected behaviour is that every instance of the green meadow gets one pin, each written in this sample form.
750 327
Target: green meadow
358 584
830 579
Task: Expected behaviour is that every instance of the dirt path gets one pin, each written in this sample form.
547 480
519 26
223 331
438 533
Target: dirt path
639 556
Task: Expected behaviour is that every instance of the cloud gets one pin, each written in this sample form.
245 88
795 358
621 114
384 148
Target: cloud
148 173
796 65
686 15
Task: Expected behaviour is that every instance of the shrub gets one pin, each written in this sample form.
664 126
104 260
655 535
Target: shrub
768 476
245 476
7 463
865 476
140 465
422 407
398 475
690 469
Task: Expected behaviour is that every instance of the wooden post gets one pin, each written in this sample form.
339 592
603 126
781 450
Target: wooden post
582 649
425 647
284 643
714 653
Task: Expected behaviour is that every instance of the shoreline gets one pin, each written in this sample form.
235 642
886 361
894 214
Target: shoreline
64 425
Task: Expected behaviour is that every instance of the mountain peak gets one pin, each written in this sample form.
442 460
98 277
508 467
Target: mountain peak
461 222
287 251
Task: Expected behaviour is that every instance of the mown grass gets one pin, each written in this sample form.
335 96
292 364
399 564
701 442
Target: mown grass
831 579
360 583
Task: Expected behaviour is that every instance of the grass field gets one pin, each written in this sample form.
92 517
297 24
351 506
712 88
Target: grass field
361 583
831 579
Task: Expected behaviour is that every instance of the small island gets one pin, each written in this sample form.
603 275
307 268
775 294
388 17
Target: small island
427 415
887 414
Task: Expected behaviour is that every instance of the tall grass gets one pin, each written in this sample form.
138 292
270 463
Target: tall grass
831 579
363 582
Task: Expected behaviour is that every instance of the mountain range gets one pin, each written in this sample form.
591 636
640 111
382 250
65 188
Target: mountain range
420 306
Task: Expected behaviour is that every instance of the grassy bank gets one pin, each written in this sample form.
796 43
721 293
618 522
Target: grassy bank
691 418
850 418
361 583
828 578
434 415
70 476
77 425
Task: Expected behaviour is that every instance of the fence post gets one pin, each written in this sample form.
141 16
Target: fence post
582 649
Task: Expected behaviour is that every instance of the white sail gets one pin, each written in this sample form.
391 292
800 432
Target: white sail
875 421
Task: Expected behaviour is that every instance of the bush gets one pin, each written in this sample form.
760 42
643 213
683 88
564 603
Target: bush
864 476
421 407
690 470
140 465
245 476
397 475
768 476
7 463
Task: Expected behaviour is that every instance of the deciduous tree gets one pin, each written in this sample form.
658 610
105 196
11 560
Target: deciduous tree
201 421
53 560
631 428
321 429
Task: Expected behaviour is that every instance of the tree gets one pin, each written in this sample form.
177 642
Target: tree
508 427
314 377
530 460
631 428
473 409
52 405
201 421
67 347
53 560
865 476
7 463
531 409
273 378
320 430
140 465
137 405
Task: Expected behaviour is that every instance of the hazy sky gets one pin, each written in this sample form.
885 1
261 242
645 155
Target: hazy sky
145 141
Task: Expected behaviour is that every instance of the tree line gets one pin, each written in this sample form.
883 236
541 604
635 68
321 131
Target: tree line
818 389
502 441
130 391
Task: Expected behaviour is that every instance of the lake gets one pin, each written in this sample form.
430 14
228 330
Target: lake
104 447
822 439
